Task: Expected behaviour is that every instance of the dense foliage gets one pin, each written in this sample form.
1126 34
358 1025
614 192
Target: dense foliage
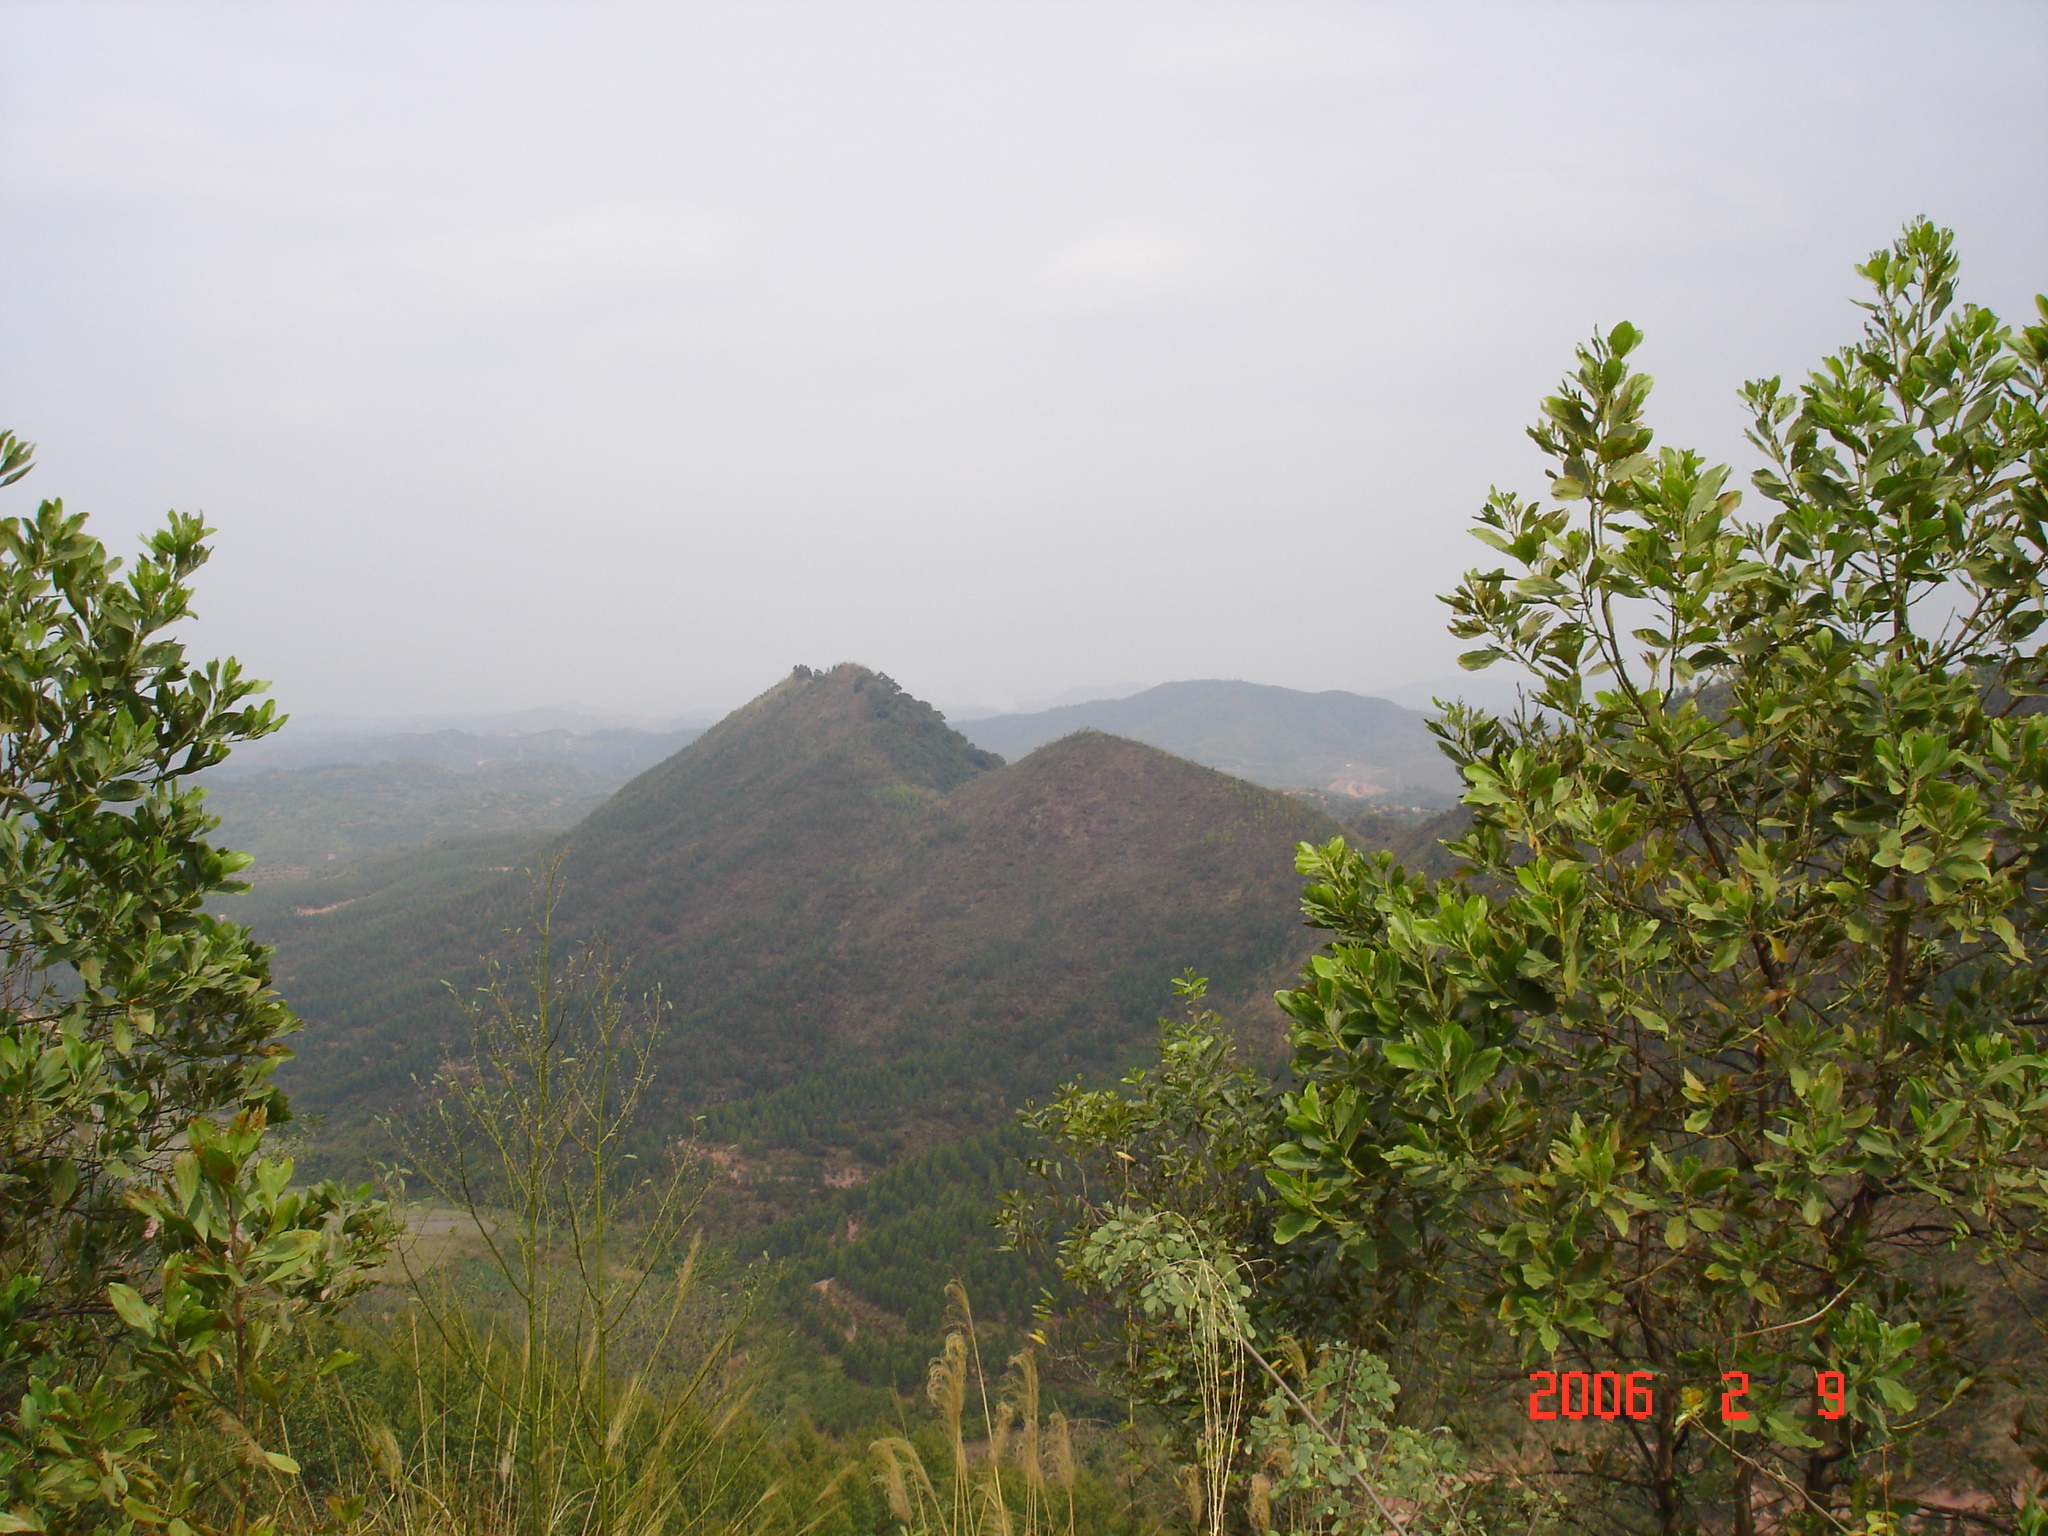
151 1259
1722 1056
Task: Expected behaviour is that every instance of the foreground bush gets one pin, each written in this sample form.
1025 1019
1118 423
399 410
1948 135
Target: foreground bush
155 1266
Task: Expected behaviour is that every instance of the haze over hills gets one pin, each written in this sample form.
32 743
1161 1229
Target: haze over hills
624 751
297 801
828 879
1499 689
318 793
1342 742
955 713
578 720
292 819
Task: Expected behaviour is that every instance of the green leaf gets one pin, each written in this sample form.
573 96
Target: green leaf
1894 1392
287 1250
1292 1224
1785 1430
132 1309
1727 952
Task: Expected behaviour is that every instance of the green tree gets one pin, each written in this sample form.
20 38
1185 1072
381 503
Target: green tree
151 1258
1156 1204
1177 1147
1721 1054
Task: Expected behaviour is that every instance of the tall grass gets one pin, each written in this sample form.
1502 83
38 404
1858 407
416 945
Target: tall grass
570 1379
440 1432
1011 1491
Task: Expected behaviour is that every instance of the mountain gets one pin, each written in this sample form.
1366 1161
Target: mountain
314 795
955 713
1342 742
874 936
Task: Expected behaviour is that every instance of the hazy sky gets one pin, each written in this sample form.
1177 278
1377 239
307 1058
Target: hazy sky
527 353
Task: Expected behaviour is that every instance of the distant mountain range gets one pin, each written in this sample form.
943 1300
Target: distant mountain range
578 719
606 750
312 796
1345 743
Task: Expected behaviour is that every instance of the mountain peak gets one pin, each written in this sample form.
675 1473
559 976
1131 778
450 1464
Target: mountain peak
817 753
848 708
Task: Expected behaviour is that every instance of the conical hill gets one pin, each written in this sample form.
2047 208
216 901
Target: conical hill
722 871
851 910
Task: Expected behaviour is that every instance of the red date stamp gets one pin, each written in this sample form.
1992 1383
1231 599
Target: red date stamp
1611 1395
1603 1395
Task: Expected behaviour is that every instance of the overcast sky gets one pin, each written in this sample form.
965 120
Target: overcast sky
627 355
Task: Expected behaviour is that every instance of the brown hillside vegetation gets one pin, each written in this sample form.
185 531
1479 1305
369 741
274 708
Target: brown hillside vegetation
828 882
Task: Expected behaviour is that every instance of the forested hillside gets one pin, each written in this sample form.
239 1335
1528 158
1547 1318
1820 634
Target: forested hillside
873 936
299 801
